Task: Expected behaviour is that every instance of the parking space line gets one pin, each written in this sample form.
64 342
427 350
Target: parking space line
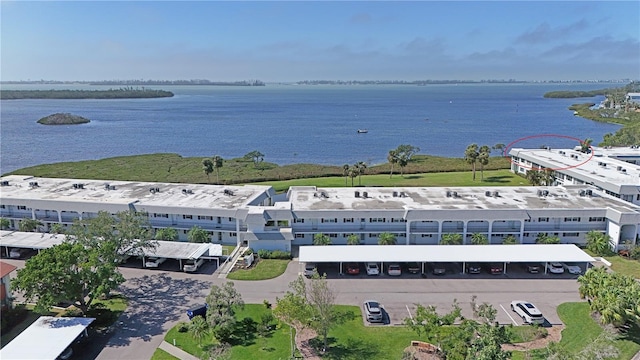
509 315
409 311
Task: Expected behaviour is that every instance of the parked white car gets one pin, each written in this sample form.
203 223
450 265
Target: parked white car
17 253
372 311
528 312
373 269
556 268
309 269
154 262
394 270
573 269
192 265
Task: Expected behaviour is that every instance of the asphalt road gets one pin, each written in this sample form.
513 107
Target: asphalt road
159 299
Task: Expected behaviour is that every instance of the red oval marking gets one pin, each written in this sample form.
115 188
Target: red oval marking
510 145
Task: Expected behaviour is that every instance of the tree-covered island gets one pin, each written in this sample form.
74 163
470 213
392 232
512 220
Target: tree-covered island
121 93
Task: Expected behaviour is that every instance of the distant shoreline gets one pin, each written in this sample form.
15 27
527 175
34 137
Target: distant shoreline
123 93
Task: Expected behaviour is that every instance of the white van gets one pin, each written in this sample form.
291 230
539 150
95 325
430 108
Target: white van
192 265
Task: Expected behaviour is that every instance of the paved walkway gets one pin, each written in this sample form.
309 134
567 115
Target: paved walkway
177 352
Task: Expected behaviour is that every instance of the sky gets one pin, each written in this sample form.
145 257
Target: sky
289 41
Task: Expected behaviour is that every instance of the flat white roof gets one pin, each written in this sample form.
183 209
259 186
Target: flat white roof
444 253
45 339
165 249
29 240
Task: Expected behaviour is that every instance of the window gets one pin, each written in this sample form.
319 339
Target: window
569 178
230 219
572 219
400 220
596 219
187 216
333 220
283 222
373 235
270 223
201 217
299 236
233 234
543 219
527 220
347 220
332 235
376 220
161 215
638 197
570 234
298 221
427 235
22 207
2 207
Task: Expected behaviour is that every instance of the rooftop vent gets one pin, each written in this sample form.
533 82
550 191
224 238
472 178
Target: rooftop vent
448 193
487 193
365 194
583 192
619 168
496 194
395 194
624 170
106 186
539 192
154 190
545 192
454 194
403 194
4 183
78 186
228 192
323 194
357 194
33 184
589 192
187 191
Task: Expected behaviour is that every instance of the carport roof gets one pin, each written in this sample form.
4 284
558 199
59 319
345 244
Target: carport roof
29 240
444 253
46 338
182 251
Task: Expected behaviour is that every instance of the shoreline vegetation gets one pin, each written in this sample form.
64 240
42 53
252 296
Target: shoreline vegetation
121 93
63 119
174 168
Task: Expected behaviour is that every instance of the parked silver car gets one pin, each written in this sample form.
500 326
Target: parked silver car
372 311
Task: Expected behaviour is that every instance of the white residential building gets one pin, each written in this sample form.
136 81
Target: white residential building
416 215
614 171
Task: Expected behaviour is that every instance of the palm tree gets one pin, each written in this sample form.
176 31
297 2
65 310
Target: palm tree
198 328
534 177
451 239
479 239
585 146
217 164
29 225
345 173
207 167
353 239
393 159
386 238
198 235
353 173
168 234
361 167
599 243
509 240
544 238
471 156
4 223
483 159
321 239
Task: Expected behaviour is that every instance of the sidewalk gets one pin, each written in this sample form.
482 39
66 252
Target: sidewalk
179 353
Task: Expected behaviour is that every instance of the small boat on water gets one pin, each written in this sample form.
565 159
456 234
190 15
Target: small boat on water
362 131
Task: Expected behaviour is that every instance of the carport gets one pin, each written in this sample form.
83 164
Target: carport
183 251
28 240
529 253
46 338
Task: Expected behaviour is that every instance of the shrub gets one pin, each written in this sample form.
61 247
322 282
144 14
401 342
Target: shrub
248 252
267 304
183 327
274 254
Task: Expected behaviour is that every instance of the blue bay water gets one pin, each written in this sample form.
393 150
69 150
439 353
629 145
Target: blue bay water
294 124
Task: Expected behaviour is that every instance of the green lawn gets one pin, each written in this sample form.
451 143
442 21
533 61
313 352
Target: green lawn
275 345
625 266
160 354
581 330
354 340
264 269
491 178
